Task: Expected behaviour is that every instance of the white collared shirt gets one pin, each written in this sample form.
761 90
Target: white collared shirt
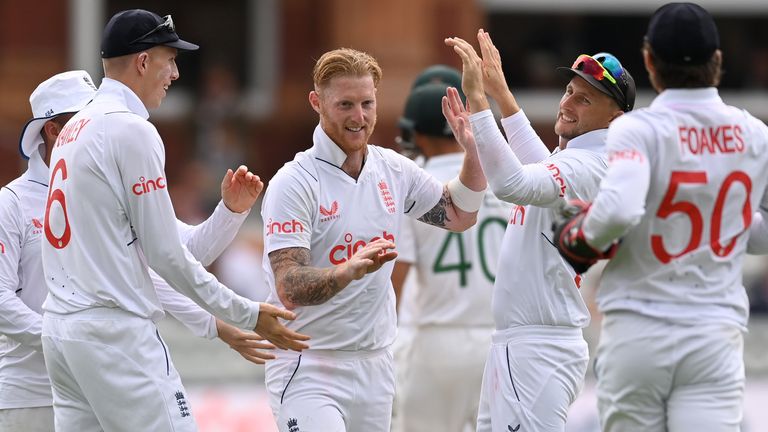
685 174
109 217
534 285
24 380
312 203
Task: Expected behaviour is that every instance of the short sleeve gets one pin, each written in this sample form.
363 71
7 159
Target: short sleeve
287 211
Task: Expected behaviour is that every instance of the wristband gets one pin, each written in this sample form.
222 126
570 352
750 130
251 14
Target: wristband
464 197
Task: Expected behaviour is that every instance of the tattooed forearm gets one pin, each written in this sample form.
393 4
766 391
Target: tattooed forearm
297 282
438 216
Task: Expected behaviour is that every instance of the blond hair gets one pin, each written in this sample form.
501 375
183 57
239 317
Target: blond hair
345 61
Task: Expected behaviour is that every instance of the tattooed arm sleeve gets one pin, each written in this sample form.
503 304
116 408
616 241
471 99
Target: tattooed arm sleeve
299 284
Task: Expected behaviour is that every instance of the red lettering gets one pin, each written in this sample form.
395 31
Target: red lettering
518 210
556 174
704 141
332 255
143 186
721 139
2 248
288 227
739 139
336 255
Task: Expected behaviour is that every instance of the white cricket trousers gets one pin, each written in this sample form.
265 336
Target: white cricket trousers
331 391
439 372
37 419
657 376
111 371
532 376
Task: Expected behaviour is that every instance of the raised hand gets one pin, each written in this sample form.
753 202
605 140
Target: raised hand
272 330
494 82
458 119
249 345
240 189
472 73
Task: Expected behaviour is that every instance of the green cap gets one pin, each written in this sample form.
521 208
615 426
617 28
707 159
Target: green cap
424 113
423 109
439 74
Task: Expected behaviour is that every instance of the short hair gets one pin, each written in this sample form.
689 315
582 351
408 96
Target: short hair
670 75
345 61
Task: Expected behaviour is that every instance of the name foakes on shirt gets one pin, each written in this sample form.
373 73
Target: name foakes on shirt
71 131
721 139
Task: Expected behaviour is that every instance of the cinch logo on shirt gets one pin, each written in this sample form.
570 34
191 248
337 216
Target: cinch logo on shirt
331 213
556 174
289 227
631 154
343 252
38 226
147 186
386 196
518 210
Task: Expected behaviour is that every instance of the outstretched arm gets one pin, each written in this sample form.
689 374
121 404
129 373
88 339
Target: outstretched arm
299 284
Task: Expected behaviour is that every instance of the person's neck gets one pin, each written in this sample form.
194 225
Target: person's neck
353 165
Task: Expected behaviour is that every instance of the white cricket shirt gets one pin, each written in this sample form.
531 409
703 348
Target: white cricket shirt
24 380
454 272
109 216
311 203
687 173
534 285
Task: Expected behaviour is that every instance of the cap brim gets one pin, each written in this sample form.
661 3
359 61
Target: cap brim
30 138
181 45
569 73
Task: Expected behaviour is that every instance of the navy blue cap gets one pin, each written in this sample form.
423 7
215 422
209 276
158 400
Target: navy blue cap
137 30
683 34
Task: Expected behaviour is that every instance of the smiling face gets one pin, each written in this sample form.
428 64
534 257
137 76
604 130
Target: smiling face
161 71
583 109
347 108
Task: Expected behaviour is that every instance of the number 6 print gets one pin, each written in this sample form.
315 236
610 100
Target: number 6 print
57 195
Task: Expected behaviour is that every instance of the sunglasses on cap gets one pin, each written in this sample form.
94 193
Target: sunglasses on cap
166 24
610 68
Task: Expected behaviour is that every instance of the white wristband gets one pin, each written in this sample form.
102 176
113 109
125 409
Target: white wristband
464 197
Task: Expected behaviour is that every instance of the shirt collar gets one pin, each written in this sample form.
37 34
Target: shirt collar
324 148
37 170
592 140
683 96
118 90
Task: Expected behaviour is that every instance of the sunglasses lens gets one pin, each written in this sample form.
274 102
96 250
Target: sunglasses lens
611 64
589 66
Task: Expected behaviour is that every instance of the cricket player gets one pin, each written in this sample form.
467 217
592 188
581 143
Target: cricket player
332 218
686 175
26 402
538 356
107 218
438 379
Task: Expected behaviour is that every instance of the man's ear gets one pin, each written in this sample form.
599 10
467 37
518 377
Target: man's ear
314 100
51 130
142 61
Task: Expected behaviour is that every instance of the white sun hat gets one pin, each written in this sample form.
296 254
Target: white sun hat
63 93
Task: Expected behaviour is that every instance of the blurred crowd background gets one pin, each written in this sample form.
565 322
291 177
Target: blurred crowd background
242 99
